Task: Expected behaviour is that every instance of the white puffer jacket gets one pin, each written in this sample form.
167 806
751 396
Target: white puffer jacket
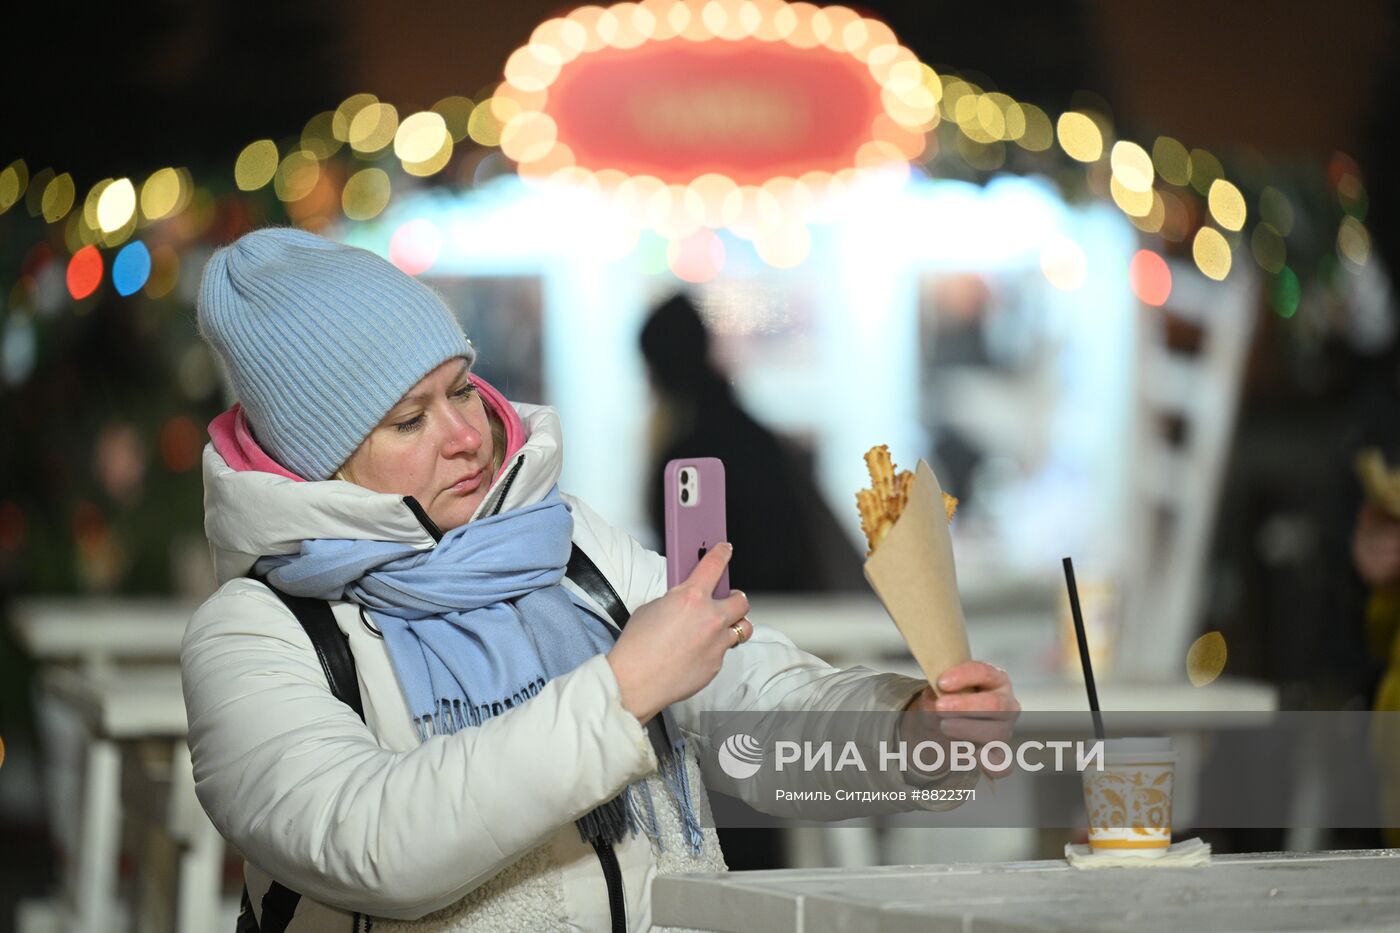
468 831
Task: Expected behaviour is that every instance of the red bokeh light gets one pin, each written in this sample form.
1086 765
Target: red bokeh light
84 272
1150 278
180 443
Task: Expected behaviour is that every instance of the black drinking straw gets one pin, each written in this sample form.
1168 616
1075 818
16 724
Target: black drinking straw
1083 648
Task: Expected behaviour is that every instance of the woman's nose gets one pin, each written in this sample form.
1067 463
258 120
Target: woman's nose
461 435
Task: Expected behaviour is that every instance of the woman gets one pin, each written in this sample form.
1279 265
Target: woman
510 736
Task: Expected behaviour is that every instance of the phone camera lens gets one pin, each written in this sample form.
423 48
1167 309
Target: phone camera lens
685 478
685 496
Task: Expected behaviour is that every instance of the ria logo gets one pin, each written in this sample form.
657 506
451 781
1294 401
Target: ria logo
740 756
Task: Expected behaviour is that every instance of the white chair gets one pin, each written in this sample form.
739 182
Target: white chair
1187 403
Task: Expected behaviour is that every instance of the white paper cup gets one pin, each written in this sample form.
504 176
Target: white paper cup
1129 802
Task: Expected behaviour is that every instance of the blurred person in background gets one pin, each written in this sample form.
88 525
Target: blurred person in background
514 761
787 540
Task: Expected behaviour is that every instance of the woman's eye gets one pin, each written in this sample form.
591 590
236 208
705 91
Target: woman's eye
405 427
465 391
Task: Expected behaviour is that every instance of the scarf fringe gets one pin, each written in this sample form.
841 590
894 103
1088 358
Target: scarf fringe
677 778
452 716
633 810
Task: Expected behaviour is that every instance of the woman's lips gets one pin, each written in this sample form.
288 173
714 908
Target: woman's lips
469 483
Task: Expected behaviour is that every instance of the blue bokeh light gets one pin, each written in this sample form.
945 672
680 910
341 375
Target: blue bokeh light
131 268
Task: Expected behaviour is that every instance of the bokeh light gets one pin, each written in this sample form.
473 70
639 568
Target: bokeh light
484 127
1176 218
1133 203
1268 248
373 128
366 194
34 190
533 67
1205 660
1205 169
84 272
1226 204
131 268
420 136
13 181
1351 194
1212 253
696 258
1353 241
116 205
456 113
415 246
58 197
1155 218
318 136
529 136
165 271
1172 161
1132 167
1040 132
18 349
1063 262
1276 210
160 194
296 176
1080 137
256 165
180 444
784 246
347 111
1150 278
1285 293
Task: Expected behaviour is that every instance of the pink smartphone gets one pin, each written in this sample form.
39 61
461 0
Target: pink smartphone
694 490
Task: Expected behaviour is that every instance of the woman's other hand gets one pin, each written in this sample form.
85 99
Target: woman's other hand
673 646
981 691
1375 547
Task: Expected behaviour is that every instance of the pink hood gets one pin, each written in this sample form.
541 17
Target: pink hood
233 440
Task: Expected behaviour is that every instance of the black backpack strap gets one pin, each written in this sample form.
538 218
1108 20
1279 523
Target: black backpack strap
279 905
280 902
332 647
590 579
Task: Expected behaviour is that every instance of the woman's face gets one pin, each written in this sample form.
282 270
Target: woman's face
434 445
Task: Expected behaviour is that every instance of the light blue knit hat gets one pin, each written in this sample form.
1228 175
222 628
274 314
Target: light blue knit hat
319 340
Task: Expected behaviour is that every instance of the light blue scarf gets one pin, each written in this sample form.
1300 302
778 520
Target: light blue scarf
477 625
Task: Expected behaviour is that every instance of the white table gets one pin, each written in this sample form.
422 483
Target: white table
1323 891
98 632
118 707
88 648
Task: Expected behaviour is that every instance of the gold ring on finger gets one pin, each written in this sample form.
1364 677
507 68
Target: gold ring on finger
739 635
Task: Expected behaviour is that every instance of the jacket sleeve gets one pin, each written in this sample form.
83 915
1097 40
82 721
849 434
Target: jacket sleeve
296 782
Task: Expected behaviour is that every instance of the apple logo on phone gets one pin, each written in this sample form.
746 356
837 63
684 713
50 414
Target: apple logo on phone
700 555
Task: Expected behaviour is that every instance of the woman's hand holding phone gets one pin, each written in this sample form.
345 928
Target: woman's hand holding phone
673 646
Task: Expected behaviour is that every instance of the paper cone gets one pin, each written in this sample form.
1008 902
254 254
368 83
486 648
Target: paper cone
912 573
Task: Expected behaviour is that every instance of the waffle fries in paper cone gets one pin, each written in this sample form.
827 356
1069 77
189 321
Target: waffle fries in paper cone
905 518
